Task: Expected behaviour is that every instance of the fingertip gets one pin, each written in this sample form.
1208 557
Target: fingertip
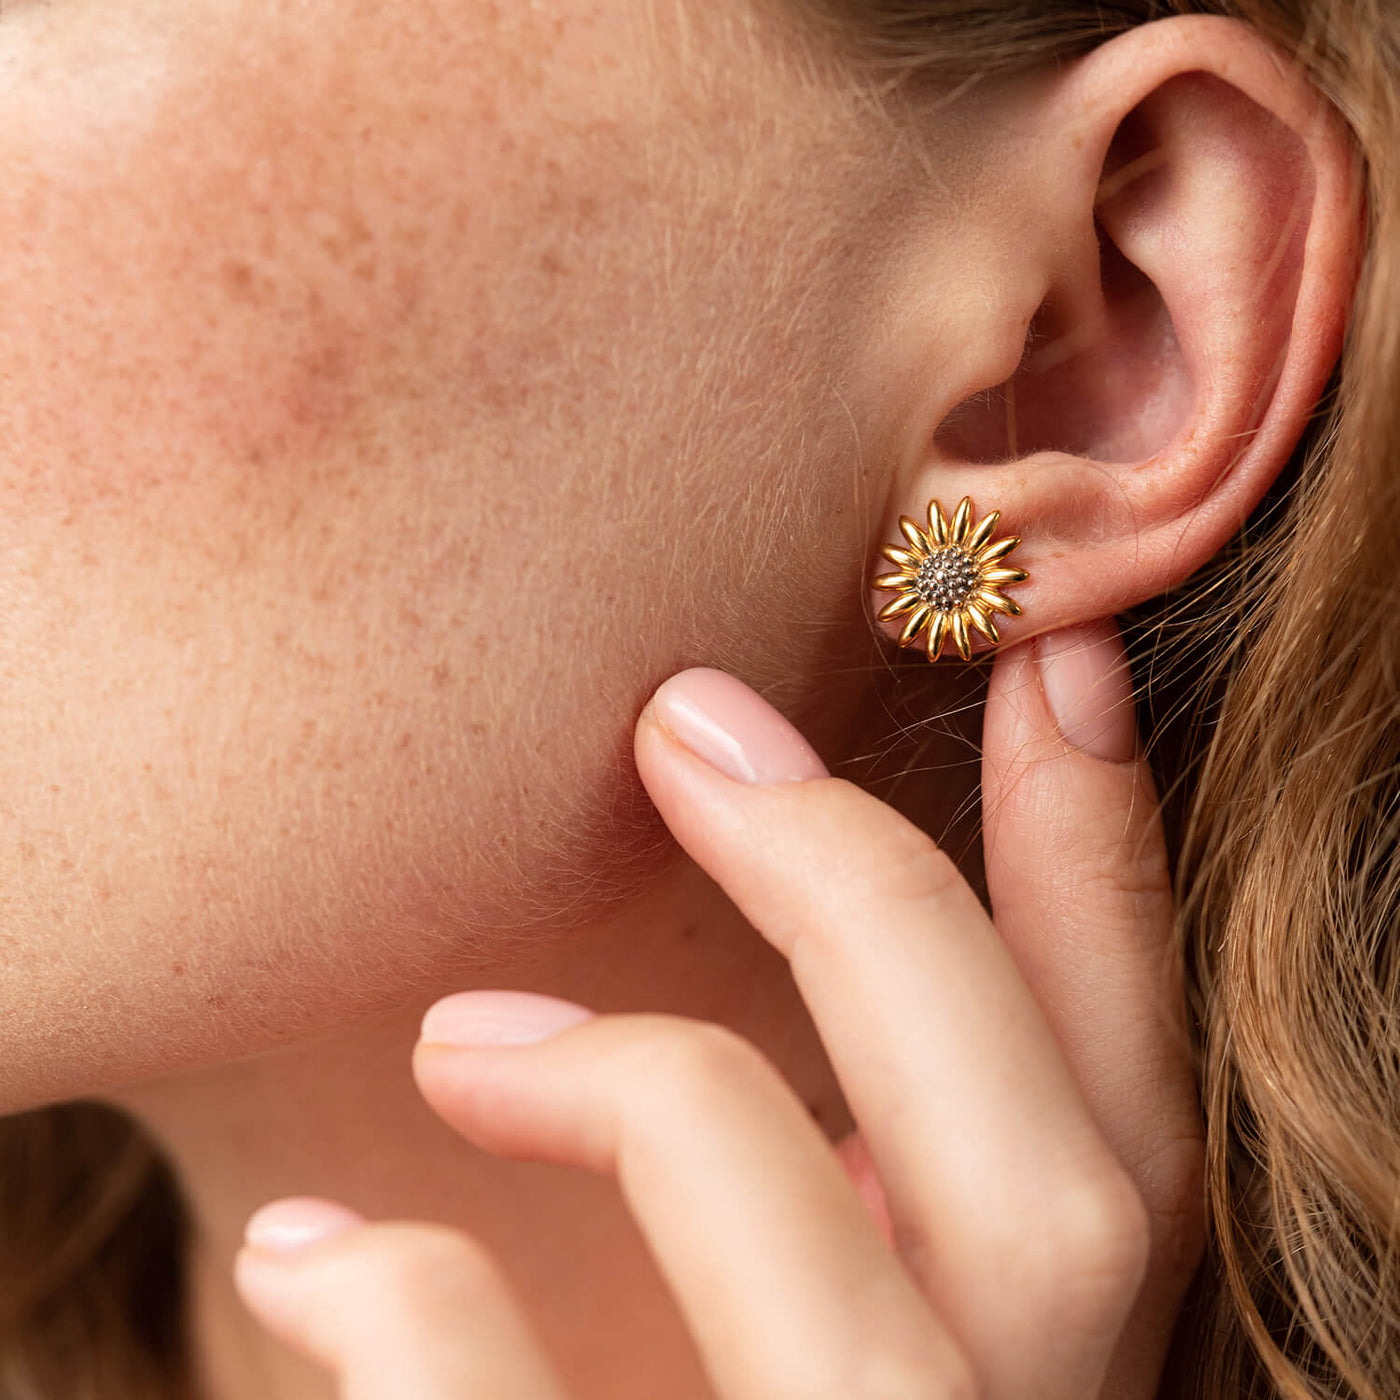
717 718
1088 689
498 1017
1066 692
272 1291
280 1239
294 1222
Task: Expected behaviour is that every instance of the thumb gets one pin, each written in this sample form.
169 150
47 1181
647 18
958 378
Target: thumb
1081 894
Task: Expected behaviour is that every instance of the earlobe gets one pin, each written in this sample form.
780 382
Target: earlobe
1205 199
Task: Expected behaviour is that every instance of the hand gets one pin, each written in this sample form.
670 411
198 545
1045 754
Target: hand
1021 1209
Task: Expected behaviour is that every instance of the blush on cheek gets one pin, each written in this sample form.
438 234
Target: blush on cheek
192 294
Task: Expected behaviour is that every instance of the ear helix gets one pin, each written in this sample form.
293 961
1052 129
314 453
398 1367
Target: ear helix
951 576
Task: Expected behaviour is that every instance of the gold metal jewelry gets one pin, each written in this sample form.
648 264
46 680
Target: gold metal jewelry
950 578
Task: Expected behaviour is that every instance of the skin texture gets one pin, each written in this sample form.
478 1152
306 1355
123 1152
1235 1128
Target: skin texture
395 395
377 388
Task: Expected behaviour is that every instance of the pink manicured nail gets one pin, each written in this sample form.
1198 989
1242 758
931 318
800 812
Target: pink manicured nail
721 720
498 1018
296 1221
1089 688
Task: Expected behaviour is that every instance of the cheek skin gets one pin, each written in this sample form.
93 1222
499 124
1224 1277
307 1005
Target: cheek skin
386 412
223 270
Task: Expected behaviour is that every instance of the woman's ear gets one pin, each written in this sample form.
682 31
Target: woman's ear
1167 237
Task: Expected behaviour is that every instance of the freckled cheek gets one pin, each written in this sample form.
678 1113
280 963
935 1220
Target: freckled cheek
164 335
297 262
153 372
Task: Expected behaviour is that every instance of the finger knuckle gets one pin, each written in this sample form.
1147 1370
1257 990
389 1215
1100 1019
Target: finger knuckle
1089 1258
915 867
424 1267
693 1059
1127 866
1174 1190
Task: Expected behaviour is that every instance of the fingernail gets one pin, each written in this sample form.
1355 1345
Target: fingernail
719 719
297 1221
1089 688
498 1018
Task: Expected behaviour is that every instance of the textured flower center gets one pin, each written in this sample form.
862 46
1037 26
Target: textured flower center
947 578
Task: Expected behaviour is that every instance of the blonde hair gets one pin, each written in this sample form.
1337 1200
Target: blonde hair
1283 807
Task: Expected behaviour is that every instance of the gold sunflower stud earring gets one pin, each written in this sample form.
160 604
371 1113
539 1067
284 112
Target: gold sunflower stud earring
949 578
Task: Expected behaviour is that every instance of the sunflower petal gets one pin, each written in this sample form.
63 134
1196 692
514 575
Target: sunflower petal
989 554
899 556
981 620
914 625
937 631
957 531
990 598
982 533
937 523
1003 575
914 534
902 604
891 581
960 637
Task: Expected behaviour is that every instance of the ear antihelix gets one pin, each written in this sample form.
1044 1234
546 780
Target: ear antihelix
951 576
